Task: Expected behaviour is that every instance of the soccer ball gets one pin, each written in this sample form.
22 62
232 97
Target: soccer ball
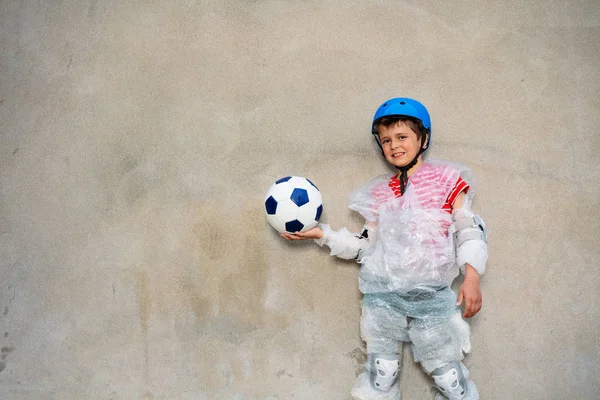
293 204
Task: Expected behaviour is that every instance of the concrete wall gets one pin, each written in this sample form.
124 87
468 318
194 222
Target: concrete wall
139 137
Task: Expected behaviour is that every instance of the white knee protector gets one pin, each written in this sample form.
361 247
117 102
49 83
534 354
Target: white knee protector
451 381
384 370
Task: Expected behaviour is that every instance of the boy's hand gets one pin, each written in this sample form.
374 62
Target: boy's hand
314 233
470 292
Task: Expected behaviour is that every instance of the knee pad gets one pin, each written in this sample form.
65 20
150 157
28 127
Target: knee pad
451 381
384 370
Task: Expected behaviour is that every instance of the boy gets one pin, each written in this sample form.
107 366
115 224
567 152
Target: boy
419 230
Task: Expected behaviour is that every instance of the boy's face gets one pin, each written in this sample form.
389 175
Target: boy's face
400 144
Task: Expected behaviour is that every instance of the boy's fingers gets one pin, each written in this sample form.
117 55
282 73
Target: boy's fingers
460 298
479 305
469 308
303 235
472 307
294 236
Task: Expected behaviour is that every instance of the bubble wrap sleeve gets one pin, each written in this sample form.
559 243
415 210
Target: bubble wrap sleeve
343 243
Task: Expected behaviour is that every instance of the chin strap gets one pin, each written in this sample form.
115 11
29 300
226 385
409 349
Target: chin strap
403 178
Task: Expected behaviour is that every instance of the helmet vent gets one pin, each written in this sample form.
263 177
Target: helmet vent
403 103
384 104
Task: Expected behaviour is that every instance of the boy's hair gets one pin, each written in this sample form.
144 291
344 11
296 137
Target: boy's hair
413 123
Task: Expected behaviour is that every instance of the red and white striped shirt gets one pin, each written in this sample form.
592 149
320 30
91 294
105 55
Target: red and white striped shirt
423 181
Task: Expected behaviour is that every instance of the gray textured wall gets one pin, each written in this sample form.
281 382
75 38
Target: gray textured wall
139 137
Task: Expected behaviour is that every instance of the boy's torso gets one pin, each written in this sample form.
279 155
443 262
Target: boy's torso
412 247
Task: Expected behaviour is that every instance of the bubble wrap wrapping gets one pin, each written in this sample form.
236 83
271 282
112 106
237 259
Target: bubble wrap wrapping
428 319
438 341
412 249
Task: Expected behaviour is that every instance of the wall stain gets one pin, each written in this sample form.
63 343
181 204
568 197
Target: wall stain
92 9
128 182
199 306
255 258
283 372
133 186
4 352
144 312
211 233
360 357
242 290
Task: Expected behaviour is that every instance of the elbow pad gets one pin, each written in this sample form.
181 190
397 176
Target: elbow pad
343 243
470 239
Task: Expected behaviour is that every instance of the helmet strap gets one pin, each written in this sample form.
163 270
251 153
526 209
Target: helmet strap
403 178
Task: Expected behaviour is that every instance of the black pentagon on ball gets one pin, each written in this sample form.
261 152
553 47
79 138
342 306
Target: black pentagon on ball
271 205
294 226
299 196
287 178
319 211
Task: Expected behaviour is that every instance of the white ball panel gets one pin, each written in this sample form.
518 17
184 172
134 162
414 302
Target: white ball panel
299 182
309 226
269 192
287 210
307 213
282 191
276 223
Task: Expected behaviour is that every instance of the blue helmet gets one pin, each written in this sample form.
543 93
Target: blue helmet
403 107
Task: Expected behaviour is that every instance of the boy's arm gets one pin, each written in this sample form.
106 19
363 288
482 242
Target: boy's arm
472 249
343 243
470 292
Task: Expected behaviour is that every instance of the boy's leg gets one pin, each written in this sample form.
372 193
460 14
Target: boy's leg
438 344
382 328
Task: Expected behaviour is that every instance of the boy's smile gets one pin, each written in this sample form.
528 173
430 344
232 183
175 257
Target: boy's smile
400 144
